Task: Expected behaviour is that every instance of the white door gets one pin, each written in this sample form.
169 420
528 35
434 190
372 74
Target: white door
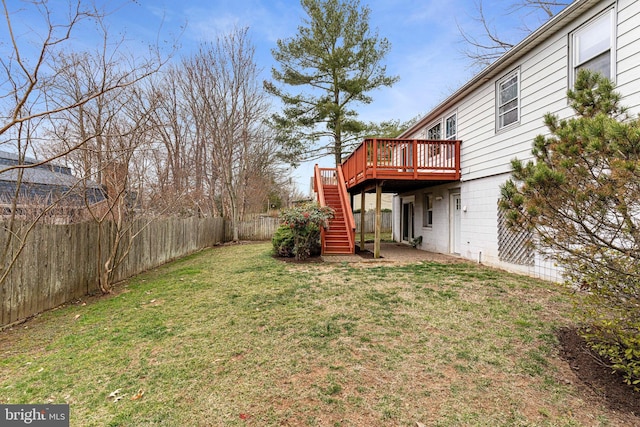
455 210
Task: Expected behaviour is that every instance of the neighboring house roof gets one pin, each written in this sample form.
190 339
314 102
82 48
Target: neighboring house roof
507 60
43 178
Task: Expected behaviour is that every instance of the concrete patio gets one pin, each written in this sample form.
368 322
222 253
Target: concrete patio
393 252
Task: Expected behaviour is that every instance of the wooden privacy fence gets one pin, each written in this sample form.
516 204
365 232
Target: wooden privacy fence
370 221
59 263
258 228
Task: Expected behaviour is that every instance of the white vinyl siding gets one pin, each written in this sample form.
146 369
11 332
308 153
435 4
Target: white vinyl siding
628 54
543 86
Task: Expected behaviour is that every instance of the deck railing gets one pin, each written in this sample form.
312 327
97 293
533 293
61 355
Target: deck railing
318 184
403 159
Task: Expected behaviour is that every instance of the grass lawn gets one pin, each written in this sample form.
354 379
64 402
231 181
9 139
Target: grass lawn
232 336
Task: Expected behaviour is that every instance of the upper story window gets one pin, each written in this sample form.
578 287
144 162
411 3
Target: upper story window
593 46
450 127
508 100
435 132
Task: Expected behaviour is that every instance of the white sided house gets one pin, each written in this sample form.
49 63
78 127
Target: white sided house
492 119
497 115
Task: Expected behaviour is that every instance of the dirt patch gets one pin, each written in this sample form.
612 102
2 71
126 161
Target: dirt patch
595 379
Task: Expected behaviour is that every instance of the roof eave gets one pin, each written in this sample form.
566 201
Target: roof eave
507 60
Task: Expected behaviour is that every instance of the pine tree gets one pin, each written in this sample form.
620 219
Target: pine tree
580 198
333 63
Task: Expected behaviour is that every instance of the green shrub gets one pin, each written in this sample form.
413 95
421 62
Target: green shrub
614 332
305 223
283 241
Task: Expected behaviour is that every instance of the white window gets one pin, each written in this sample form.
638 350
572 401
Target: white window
427 211
508 100
450 127
593 46
434 132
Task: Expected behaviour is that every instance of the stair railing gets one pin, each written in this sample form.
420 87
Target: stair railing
318 186
346 209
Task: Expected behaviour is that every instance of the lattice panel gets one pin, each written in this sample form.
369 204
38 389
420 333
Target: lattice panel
514 247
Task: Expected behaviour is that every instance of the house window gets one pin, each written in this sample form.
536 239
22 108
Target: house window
434 132
450 129
427 211
592 46
508 100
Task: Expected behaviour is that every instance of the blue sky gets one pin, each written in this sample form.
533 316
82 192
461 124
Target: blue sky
426 44
425 53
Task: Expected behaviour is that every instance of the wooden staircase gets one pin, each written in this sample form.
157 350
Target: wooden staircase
339 238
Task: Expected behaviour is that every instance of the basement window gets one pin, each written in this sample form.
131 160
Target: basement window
427 211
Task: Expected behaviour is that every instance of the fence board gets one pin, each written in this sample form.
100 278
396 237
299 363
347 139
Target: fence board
370 221
256 229
59 263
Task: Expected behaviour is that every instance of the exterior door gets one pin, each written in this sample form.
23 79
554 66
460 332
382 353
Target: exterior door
455 210
407 221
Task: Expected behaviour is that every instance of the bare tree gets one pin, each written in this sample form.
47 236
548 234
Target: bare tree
171 131
230 108
121 218
115 127
194 83
40 102
214 154
181 163
488 43
266 178
212 151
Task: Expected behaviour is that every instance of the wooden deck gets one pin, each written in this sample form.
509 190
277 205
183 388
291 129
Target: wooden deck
401 163
386 165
